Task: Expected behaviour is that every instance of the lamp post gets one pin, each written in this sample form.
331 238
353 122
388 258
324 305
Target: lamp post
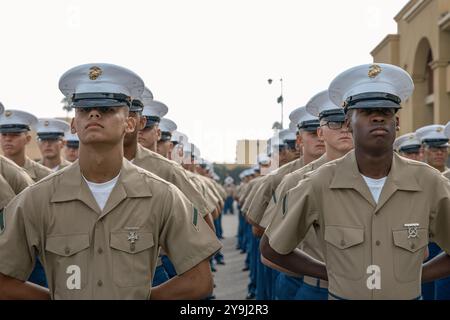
280 99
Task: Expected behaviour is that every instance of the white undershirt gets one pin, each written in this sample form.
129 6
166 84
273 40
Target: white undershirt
102 191
375 186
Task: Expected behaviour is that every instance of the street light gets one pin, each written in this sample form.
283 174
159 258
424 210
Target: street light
280 99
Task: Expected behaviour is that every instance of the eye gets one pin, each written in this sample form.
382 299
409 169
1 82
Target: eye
106 110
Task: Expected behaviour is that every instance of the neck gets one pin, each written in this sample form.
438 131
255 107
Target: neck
333 154
100 164
153 147
130 150
308 158
441 169
52 162
18 158
374 166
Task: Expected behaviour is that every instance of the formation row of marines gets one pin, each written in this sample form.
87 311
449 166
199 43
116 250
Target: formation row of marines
131 218
351 212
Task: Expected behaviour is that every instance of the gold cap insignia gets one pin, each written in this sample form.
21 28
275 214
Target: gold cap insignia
8 113
374 71
46 124
439 129
95 72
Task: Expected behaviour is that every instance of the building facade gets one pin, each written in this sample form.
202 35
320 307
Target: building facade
421 47
247 151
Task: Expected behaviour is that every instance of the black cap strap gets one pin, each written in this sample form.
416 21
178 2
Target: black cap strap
436 142
410 148
290 144
370 100
136 106
165 136
152 120
331 112
309 125
50 135
14 128
100 99
73 144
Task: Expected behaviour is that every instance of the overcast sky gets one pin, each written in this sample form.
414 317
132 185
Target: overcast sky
208 60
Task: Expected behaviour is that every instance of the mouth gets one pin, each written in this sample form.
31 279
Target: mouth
379 131
93 125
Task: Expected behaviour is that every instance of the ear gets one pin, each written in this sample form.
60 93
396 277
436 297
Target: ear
141 124
348 124
158 131
28 138
299 140
61 144
130 125
397 123
73 130
320 133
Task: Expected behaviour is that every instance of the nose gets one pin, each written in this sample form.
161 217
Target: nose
378 118
94 113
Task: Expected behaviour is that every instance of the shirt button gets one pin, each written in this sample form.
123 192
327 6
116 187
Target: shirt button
378 243
66 250
100 250
342 242
413 246
99 283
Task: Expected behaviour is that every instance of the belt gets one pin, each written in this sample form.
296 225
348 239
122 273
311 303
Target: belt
315 282
335 297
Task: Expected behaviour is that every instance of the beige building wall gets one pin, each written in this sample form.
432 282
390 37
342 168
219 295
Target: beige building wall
247 151
421 47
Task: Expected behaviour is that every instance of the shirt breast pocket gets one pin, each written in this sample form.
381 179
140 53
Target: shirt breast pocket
409 254
68 256
132 259
345 251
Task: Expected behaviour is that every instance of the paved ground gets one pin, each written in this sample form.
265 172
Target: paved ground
231 282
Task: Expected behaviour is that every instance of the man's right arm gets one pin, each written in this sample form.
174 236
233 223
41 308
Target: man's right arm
13 289
296 263
18 240
279 243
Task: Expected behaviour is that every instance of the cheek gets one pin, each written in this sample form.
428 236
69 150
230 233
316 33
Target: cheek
146 134
314 139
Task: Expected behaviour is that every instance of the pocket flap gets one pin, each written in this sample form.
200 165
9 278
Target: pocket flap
67 245
122 241
412 244
344 237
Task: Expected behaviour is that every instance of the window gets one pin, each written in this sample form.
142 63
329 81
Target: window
429 78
